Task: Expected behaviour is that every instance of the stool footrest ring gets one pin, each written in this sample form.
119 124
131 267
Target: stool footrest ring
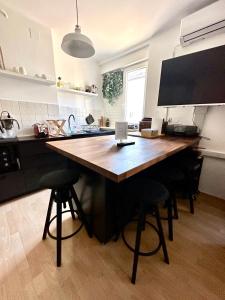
149 253
69 235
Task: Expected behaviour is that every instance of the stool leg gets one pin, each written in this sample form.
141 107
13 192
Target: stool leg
80 211
137 246
71 208
166 257
173 195
59 233
48 216
170 219
191 203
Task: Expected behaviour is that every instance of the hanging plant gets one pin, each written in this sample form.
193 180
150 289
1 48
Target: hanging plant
112 86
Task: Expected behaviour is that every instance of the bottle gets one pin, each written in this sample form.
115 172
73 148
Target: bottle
164 126
107 122
59 83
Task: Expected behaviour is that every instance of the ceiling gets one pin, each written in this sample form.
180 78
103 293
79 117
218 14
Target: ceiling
113 25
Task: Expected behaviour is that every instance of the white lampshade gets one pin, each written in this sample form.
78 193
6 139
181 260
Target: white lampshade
77 44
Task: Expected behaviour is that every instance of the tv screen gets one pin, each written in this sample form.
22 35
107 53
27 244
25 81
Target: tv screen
193 79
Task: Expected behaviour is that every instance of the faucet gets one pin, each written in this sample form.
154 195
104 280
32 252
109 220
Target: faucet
69 118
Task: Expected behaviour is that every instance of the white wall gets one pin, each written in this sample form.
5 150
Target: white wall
162 46
125 59
79 72
38 49
28 44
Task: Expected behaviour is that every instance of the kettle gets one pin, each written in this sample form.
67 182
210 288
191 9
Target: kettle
7 125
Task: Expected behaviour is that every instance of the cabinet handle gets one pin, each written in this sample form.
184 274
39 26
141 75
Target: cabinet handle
18 163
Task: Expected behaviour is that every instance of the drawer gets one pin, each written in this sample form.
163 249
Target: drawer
33 148
42 160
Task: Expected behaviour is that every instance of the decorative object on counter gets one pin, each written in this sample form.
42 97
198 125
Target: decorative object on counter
7 125
69 122
2 64
77 44
132 127
77 88
88 89
89 119
55 127
147 132
101 122
43 76
157 124
59 82
94 89
16 70
164 125
121 130
145 123
107 122
40 130
22 71
112 86
146 136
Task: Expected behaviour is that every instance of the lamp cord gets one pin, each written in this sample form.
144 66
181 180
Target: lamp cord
77 12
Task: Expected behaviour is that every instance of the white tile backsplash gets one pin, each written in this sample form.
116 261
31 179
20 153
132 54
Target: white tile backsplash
27 113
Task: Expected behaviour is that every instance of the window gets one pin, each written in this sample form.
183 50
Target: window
135 94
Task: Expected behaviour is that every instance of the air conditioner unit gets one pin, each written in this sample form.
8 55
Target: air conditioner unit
203 23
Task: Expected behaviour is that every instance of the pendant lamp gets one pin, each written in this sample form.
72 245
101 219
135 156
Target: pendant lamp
77 44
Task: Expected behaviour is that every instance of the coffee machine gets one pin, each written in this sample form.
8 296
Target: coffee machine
7 129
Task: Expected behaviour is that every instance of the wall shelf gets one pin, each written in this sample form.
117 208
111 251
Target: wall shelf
65 90
14 75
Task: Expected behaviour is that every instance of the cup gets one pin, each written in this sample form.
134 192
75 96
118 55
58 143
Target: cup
22 71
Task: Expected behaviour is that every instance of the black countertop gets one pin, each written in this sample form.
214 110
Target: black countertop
32 138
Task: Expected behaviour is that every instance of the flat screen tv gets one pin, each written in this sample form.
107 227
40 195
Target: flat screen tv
194 79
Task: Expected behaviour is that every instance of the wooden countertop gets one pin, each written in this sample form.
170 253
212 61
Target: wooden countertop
102 155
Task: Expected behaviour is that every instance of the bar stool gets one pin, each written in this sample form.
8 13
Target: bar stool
62 193
171 177
150 194
191 166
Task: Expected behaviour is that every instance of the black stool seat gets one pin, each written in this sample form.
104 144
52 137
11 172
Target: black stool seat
169 174
189 164
59 179
149 192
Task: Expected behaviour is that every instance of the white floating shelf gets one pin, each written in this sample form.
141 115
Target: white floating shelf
77 92
14 75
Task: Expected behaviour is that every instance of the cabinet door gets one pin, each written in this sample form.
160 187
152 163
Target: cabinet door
11 185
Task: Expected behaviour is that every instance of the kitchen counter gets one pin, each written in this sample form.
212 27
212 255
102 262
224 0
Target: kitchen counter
32 138
27 159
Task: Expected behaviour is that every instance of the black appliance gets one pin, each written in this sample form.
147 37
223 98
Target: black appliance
9 160
194 79
181 130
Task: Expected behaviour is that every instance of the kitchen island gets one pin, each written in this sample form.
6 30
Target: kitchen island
106 168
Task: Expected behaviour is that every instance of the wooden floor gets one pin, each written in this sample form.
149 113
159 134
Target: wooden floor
94 271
